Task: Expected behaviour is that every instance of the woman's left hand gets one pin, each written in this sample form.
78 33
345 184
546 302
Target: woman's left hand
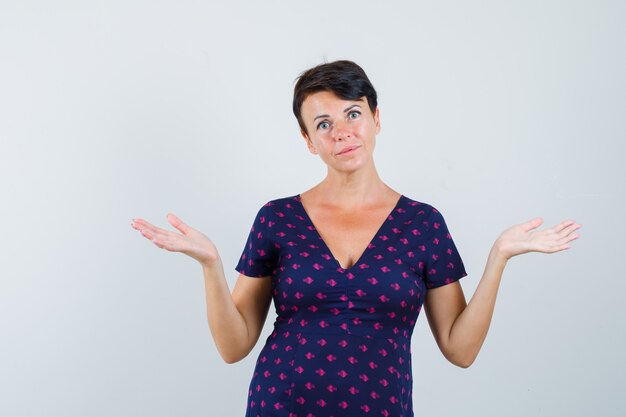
522 238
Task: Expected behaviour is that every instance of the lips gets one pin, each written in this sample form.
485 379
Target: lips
348 149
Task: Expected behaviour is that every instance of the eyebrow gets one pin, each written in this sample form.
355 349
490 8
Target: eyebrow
345 110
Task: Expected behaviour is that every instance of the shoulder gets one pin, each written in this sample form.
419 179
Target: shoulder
279 207
282 203
419 208
423 214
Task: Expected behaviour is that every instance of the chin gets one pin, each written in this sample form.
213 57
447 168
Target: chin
352 166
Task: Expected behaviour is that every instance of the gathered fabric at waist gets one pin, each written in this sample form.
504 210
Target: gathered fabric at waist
345 324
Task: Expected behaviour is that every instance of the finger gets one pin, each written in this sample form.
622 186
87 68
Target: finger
551 247
177 223
147 234
564 224
532 224
143 228
172 242
567 239
146 229
137 222
549 237
159 239
162 242
141 224
153 230
569 229
558 248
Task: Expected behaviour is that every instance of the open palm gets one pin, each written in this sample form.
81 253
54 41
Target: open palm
523 238
190 241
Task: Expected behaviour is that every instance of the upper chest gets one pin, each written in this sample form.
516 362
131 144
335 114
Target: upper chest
349 228
348 234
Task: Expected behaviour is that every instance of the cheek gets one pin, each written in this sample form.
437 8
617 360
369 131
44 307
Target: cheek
365 131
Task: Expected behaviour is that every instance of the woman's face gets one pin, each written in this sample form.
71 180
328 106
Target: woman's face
342 132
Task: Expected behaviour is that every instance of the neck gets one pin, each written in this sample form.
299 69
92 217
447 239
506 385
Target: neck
352 190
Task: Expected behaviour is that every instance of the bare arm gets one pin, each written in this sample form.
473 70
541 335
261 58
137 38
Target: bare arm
235 320
459 328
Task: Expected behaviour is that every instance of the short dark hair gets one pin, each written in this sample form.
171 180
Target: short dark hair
344 78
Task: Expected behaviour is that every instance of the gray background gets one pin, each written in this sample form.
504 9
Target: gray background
492 111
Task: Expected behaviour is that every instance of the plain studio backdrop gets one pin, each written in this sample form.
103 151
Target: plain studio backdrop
494 112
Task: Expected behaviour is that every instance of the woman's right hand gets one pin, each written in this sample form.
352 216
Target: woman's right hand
191 242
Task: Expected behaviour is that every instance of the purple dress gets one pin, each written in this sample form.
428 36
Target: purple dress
341 343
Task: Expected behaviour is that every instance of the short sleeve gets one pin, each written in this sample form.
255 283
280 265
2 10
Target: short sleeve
259 256
443 264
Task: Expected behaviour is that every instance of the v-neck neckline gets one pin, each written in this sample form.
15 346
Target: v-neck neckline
371 241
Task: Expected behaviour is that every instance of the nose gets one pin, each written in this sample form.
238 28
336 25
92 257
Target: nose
341 130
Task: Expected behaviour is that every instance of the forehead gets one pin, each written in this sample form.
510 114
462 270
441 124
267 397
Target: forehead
327 101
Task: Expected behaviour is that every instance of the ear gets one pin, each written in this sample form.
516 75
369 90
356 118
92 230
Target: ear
309 144
377 120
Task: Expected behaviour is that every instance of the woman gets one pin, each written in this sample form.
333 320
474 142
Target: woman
349 264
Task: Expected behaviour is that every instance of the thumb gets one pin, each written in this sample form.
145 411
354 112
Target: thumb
533 224
177 223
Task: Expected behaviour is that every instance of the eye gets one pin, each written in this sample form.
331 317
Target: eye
354 114
323 125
